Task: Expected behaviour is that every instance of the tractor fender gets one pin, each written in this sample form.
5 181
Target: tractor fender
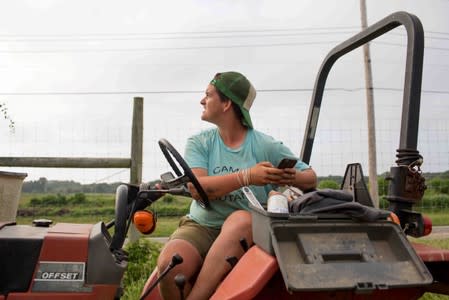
239 285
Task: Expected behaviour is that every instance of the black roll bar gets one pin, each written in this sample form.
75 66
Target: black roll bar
412 84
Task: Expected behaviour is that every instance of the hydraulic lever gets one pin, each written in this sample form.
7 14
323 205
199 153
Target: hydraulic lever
180 281
175 260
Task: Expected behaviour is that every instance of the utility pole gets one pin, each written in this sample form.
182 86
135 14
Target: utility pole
372 167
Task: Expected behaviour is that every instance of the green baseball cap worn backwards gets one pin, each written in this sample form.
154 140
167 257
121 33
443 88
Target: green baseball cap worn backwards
239 90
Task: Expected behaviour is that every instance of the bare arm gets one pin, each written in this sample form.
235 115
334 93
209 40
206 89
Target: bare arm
304 180
260 174
214 186
220 185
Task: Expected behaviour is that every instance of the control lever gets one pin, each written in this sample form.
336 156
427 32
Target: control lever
166 177
168 180
232 260
180 281
175 260
244 244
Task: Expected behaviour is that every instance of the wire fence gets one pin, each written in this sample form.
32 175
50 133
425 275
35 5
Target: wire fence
102 128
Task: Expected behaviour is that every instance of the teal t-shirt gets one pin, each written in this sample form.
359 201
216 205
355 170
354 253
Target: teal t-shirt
207 150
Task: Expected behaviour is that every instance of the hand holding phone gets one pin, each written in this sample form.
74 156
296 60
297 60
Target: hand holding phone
287 162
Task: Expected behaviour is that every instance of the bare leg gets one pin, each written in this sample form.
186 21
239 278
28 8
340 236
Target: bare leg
189 267
215 267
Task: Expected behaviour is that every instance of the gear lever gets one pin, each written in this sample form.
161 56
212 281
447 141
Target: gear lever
244 244
180 281
175 260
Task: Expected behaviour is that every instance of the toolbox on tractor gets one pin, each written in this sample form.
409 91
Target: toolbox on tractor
332 252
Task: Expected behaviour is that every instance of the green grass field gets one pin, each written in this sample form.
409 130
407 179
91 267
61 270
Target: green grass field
100 207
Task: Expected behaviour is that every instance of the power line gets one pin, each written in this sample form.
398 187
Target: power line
109 176
235 31
357 89
71 39
134 37
195 48
184 32
438 32
167 48
286 44
402 45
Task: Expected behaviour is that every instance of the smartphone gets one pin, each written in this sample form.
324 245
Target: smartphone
287 162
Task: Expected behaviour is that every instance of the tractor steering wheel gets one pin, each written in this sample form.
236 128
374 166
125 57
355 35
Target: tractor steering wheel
170 152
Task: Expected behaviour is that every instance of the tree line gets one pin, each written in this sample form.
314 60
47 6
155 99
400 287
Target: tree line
436 182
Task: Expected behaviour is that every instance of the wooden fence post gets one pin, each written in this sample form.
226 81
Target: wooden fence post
137 141
136 154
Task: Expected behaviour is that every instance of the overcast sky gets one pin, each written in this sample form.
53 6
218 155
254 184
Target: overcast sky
70 69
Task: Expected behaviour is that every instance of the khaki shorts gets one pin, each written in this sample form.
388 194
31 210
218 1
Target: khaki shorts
201 237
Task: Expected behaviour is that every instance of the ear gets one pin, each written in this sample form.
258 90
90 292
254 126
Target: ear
227 105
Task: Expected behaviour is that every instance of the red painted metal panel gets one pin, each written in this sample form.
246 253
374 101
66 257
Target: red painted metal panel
431 254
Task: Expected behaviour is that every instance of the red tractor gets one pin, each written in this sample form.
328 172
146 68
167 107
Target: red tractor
326 255
329 255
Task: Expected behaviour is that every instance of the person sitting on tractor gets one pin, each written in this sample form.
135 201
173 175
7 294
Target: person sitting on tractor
224 159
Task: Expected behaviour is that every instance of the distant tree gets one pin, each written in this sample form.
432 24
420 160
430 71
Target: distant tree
42 184
4 112
382 184
67 187
438 185
336 178
78 198
328 184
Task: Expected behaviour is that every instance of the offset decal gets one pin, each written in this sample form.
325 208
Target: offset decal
61 276
60 271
